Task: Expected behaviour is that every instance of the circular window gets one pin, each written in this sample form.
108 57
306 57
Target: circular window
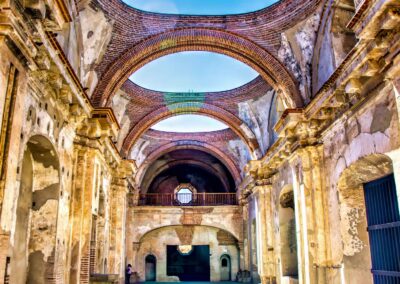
184 195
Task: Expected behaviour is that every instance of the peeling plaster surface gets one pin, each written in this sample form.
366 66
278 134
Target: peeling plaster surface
155 242
297 50
96 34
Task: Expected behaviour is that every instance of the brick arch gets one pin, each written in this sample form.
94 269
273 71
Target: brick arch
190 144
237 125
198 39
205 166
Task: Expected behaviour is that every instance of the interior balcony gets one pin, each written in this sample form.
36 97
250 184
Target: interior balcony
185 199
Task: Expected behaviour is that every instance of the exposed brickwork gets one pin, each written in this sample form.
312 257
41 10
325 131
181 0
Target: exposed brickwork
199 39
143 101
214 143
145 104
208 110
253 38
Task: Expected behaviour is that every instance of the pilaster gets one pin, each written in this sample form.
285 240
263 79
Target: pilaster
311 214
265 201
119 206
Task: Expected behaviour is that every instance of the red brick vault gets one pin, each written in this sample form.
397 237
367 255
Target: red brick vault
198 39
147 107
213 143
140 37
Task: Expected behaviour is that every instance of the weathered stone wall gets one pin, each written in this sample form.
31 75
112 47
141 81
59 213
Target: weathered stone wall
46 119
143 220
296 51
155 242
334 42
354 151
256 114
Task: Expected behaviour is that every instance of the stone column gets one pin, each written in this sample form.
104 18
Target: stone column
83 186
246 249
241 256
267 266
270 237
118 225
311 214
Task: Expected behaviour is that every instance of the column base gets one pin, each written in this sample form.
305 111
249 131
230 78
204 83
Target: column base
268 279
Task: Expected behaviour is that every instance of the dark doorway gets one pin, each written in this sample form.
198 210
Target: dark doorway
151 265
225 268
189 266
384 229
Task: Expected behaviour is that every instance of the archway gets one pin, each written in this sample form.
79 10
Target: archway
356 228
187 253
151 268
198 39
34 246
287 233
189 144
192 107
225 268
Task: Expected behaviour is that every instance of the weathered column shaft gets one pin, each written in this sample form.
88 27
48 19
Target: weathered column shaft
267 269
118 221
84 183
311 219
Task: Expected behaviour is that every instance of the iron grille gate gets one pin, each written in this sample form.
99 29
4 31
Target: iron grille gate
383 220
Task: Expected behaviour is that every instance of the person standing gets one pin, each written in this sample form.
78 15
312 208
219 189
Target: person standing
128 273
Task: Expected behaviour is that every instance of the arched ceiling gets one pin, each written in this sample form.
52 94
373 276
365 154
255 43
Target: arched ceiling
224 145
187 166
254 38
146 107
138 38
198 39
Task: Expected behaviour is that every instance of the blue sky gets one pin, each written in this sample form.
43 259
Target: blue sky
195 71
189 123
200 7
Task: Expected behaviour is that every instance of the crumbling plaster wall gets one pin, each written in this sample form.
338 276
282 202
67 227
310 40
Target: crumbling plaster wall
227 218
119 105
256 113
96 32
238 149
334 40
367 132
282 182
142 220
252 238
36 114
155 242
84 40
297 49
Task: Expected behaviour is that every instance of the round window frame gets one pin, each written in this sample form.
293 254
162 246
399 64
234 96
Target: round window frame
185 186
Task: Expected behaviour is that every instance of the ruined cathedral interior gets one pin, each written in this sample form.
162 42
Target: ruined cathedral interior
278 163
